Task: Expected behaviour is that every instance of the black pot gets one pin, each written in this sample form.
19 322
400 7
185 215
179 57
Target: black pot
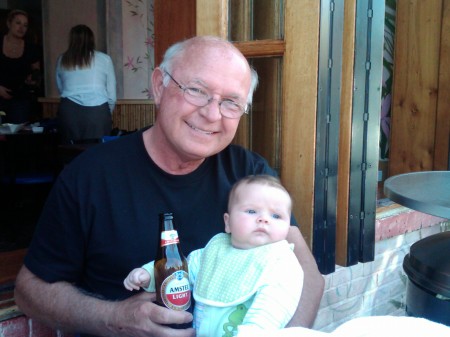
428 268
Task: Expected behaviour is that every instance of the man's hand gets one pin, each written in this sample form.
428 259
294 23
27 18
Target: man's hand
313 283
139 316
136 316
5 92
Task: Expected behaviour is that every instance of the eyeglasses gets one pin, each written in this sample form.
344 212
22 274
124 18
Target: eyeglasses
199 97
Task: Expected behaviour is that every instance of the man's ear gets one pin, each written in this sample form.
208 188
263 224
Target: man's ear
226 219
157 84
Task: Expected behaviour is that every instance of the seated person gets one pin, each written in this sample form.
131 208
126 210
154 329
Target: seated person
101 217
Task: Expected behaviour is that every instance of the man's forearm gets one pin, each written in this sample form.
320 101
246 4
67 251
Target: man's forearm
309 302
313 283
60 305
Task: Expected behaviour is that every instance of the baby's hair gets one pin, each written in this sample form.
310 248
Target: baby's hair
261 179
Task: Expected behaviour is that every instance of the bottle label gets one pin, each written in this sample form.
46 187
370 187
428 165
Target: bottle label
176 291
169 238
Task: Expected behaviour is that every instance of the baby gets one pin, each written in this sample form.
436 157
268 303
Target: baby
247 278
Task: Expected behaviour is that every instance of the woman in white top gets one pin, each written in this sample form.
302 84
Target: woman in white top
85 78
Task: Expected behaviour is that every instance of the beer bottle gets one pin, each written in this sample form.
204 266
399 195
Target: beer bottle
171 269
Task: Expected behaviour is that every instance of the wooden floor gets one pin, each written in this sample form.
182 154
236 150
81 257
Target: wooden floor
10 263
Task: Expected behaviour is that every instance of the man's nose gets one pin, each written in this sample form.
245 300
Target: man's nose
211 111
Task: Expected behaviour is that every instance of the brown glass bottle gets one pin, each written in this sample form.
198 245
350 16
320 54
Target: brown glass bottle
171 269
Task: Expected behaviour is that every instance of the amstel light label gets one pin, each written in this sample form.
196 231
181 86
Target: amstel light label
169 238
176 291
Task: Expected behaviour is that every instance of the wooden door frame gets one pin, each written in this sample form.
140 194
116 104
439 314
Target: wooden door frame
300 48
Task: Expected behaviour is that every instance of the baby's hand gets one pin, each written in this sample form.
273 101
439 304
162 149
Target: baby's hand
137 278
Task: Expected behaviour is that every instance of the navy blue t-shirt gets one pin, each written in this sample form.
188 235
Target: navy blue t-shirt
101 218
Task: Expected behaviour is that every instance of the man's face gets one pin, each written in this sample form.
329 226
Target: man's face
193 132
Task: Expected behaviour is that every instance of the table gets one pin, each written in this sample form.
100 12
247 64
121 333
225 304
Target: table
427 192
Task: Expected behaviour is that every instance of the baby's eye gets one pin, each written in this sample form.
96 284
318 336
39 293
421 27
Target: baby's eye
276 216
250 211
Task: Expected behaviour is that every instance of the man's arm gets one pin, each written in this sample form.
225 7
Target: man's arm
313 283
62 306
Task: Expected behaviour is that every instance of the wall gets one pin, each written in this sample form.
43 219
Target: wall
123 29
378 287
130 43
58 17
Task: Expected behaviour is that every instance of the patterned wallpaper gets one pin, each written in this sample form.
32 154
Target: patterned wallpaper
130 36
138 48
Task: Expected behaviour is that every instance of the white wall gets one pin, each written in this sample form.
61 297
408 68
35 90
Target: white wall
58 16
123 29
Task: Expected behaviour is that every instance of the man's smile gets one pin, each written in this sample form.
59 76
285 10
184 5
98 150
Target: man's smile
200 130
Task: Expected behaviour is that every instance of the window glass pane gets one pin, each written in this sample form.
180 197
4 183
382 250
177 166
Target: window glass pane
256 20
260 129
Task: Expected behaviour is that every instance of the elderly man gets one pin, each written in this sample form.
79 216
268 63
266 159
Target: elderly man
101 218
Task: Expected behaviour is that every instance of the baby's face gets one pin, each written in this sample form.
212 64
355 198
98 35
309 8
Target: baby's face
260 215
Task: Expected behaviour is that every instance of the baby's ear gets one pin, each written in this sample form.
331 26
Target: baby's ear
226 219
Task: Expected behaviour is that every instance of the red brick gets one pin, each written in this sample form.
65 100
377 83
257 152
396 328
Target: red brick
20 327
40 330
16 327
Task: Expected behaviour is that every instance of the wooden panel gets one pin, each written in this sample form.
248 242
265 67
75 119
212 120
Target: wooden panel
133 116
265 48
441 150
212 18
128 115
345 132
265 137
240 20
299 107
10 263
174 21
414 102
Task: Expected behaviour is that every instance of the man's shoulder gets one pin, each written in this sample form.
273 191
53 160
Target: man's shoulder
238 151
243 161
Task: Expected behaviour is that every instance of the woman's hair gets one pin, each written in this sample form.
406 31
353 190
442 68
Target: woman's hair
14 13
176 51
81 48
259 179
